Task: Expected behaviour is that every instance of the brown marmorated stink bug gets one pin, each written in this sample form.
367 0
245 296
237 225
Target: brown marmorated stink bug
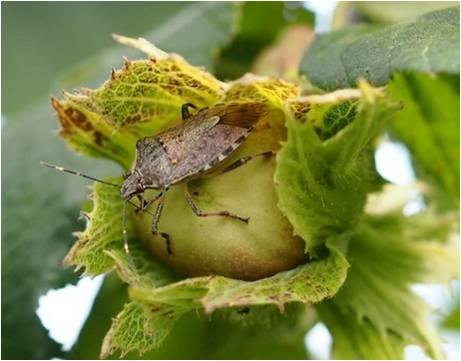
179 154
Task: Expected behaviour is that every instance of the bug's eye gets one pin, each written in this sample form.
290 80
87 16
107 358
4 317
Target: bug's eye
126 174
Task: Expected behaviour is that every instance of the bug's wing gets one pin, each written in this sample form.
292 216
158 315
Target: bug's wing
205 124
242 115
147 146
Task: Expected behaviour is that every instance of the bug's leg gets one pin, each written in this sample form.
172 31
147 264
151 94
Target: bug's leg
141 203
185 110
244 160
145 204
156 219
201 213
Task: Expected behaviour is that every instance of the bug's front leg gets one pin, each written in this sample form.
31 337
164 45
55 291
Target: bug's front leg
201 213
156 219
145 204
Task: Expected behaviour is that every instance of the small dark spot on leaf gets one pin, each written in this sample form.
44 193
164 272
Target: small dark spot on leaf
132 119
99 137
76 117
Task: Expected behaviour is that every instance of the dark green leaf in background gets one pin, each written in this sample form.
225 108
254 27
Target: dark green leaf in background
392 12
196 32
429 127
348 13
42 39
430 44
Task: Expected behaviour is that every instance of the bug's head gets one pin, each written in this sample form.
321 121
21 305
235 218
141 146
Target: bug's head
132 185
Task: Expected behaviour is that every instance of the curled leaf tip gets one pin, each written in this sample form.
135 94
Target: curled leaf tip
336 96
141 44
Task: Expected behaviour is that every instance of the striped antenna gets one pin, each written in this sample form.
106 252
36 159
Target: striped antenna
124 231
74 172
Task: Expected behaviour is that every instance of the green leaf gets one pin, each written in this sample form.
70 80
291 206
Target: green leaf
429 127
429 44
451 321
254 34
145 323
103 232
398 11
388 254
322 184
224 335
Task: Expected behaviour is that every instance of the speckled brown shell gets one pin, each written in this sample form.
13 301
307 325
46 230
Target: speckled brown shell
201 142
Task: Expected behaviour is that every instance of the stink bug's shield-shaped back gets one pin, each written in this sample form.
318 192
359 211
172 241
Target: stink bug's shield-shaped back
198 144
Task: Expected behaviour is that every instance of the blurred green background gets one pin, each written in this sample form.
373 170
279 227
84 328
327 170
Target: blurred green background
40 40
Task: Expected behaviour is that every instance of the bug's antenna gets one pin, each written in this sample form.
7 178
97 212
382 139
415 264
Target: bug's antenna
125 235
74 172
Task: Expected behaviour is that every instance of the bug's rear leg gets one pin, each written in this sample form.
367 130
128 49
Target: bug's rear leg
185 110
201 213
156 219
244 160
